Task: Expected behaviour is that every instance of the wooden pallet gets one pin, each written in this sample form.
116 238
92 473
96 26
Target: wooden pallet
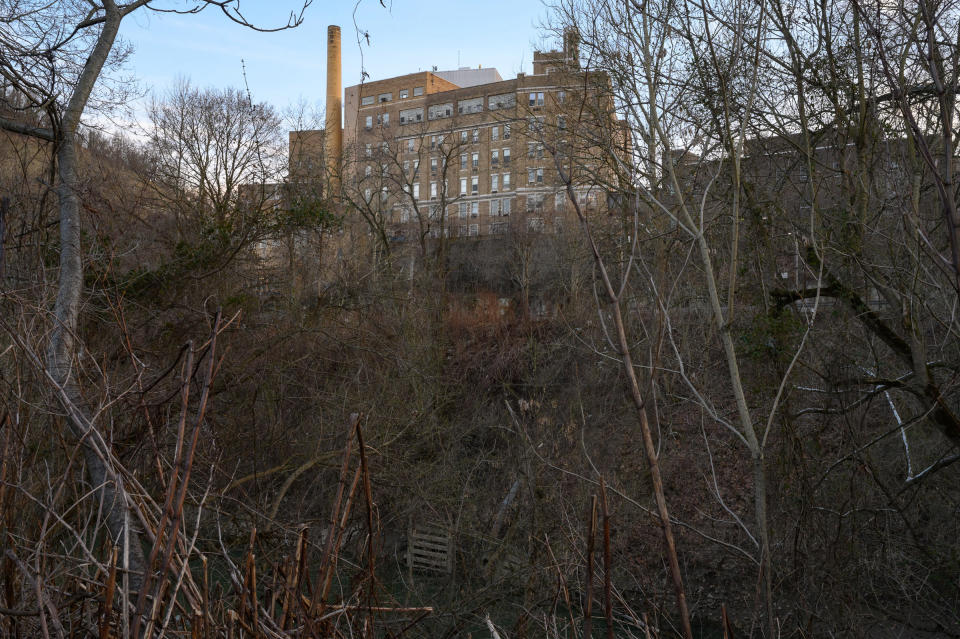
429 548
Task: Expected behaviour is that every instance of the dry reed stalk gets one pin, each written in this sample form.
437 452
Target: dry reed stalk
205 598
371 535
725 620
591 533
108 594
563 586
179 481
607 587
254 607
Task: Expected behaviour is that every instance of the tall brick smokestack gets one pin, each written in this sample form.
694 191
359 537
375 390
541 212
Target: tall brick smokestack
334 130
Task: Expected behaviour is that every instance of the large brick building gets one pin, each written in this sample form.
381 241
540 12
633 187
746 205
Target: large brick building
466 153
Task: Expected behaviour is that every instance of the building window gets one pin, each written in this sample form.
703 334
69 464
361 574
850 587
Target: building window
368 122
437 111
561 122
463 186
433 166
463 161
410 145
495 157
384 148
535 223
474 230
366 195
494 208
463 210
384 97
416 168
475 161
506 131
494 183
367 170
417 91
367 101
498 228
474 184
433 190
502 101
368 150
416 191
383 119
535 124
531 176
404 94
531 146
433 142
476 135
409 116
559 201
384 170
506 181
473 105
406 167
539 176
561 97
495 133
505 206
474 209
536 99
506 157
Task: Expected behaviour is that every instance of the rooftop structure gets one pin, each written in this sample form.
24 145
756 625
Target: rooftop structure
469 77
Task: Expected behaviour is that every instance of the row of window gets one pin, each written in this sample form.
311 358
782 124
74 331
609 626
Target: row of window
466 136
464 107
471 186
499 207
388 97
383 119
495 157
498 181
437 164
494 228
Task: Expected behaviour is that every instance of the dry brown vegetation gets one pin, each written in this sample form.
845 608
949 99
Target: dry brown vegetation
201 436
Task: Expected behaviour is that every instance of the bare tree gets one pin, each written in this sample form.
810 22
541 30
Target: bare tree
205 145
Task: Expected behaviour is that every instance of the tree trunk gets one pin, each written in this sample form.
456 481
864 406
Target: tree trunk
766 565
61 350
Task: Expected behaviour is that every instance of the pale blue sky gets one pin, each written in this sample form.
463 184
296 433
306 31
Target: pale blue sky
285 67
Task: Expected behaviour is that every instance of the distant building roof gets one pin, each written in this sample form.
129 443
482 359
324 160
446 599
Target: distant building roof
469 77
